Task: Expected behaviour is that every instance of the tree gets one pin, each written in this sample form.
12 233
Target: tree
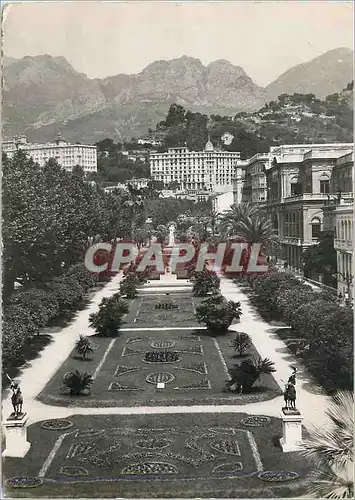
331 447
322 258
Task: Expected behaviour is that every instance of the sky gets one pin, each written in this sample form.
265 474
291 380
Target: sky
106 38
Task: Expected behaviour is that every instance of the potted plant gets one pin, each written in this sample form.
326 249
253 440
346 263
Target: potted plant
77 382
84 346
218 313
245 374
108 320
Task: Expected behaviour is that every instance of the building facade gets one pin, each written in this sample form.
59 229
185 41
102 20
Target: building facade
66 155
254 186
210 170
338 217
299 182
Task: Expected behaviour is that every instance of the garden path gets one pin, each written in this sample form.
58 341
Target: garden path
310 400
34 377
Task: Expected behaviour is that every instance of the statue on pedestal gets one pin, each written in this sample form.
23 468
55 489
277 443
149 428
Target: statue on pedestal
290 391
16 399
171 235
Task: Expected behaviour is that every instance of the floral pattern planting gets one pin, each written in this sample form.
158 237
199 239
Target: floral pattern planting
147 468
278 476
199 368
121 370
228 468
164 377
57 425
256 421
202 384
162 344
228 447
73 470
153 443
115 386
24 482
161 357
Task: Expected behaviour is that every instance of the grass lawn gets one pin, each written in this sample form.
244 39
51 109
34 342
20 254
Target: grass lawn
147 456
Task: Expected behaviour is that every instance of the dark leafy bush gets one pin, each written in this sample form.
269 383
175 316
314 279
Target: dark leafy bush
241 342
218 313
83 346
40 305
77 382
205 282
245 374
108 320
129 285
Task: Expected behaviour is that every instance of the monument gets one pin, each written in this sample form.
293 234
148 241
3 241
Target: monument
168 276
291 418
15 426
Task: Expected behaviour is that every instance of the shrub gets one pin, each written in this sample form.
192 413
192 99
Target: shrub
205 282
129 284
241 342
77 382
40 305
83 346
80 274
268 287
218 313
288 300
245 374
108 320
67 291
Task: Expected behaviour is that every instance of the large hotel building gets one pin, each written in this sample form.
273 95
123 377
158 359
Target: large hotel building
66 155
209 170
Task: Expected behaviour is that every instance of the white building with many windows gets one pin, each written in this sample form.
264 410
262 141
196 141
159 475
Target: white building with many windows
208 170
67 155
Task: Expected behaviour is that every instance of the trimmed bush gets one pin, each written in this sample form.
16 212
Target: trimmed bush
218 313
83 346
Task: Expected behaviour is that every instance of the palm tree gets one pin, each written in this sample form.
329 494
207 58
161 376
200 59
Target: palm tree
332 449
83 346
229 221
245 374
77 382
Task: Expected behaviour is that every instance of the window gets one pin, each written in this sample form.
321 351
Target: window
324 186
316 228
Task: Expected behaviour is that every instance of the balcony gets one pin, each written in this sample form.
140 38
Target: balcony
339 200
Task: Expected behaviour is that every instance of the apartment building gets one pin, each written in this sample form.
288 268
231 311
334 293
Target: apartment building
67 155
299 182
254 186
209 170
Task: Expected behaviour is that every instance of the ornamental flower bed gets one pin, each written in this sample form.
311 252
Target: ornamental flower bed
162 357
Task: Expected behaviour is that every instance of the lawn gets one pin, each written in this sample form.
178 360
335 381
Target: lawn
126 379
184 455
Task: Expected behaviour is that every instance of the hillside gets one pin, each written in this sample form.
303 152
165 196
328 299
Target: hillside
292 119
44 95
322 76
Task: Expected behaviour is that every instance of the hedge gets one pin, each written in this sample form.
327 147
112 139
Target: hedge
324 325
30 310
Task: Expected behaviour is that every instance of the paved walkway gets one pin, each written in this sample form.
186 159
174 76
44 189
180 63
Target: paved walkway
269 345
35 377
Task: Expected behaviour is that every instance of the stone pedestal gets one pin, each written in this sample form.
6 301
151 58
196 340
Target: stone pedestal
16 436
291 430
168 278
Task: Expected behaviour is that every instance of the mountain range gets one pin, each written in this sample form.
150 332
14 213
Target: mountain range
44 95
